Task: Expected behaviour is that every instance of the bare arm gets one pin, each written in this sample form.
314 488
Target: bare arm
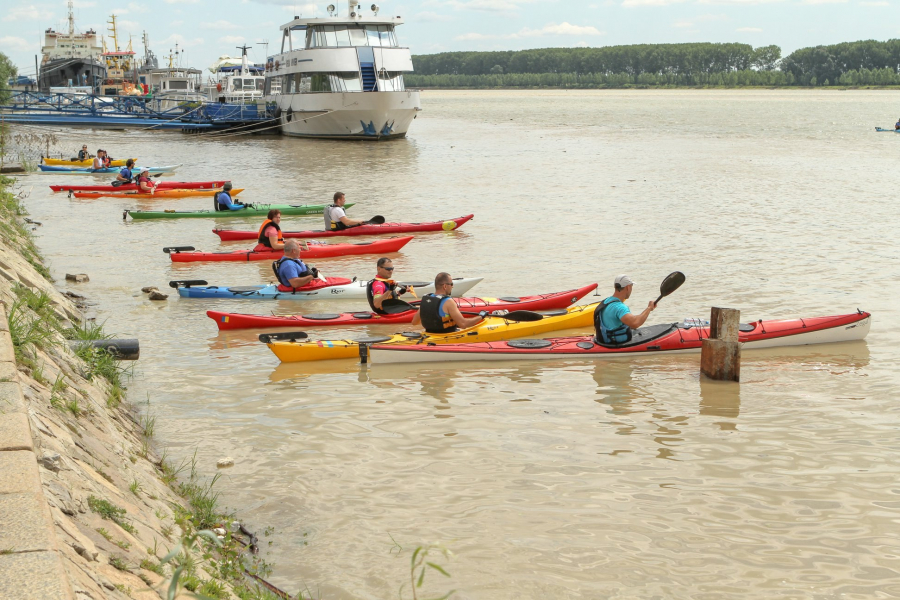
276 245
635 321
458 318
297 282
349 222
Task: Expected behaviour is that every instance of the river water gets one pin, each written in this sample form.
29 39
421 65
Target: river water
629 478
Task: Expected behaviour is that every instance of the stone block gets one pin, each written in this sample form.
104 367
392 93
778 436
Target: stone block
15 434
8 371
19 473
25 524
11 398
9 275
33 576
77 277
7 353
721 360
4 323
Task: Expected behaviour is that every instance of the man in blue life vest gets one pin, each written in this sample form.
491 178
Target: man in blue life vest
897 125
224 201
292 272
613 320
125 175
438 313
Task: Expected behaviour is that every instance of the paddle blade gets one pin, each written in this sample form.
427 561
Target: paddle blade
524 316
177 249
671 283
187 283
376 220
395 306
288 336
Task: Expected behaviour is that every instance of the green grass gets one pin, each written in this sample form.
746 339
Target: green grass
33 325
118 562
135 487
105 534
109 511
155 567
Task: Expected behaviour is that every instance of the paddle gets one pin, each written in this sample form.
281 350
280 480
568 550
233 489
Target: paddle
187 283
376 220
288 336
524 316
176 249
671 283
118 183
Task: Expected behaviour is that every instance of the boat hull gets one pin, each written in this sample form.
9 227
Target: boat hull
227 235
227 321
83 171
258 210
164 193
130 187
74 162
315 251
765 334
350 115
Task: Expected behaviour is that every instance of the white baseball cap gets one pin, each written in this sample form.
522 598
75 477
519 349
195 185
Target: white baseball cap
623 281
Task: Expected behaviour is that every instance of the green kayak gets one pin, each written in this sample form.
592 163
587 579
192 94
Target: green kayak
258 210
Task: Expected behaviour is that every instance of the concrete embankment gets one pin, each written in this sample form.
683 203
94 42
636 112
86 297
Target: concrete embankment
86 509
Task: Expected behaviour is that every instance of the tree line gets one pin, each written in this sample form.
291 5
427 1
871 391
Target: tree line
867 62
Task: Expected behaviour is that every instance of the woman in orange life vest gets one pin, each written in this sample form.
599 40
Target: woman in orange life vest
270 238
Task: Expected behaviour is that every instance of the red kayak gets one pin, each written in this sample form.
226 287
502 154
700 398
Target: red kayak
228 235
667 338
185 253
162 185
226 320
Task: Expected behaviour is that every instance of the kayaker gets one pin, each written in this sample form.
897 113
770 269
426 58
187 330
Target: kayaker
335 217
292 273
438 313
270 236
223 200
383 290
83 154
125 175
897 125
613 320
98 161
144 184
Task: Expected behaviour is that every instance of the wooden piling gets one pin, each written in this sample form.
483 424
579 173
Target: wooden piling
720 355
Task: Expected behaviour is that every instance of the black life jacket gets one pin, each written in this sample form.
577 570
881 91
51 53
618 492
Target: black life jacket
263 238
370 295
216 204
276 267
619 335
429 312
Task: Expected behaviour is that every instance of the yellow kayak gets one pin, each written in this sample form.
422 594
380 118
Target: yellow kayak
492 329
74 162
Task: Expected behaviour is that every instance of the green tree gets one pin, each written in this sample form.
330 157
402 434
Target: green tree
7 70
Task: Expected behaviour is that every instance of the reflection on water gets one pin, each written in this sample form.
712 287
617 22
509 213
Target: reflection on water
622 478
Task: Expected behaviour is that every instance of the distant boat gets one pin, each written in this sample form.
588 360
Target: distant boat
70 59
880 130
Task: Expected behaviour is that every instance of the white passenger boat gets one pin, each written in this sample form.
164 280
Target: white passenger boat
342 77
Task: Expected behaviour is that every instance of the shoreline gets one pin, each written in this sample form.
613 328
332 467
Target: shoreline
93 510
838 88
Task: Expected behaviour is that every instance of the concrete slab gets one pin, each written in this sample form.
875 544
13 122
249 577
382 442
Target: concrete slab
11 399
33 576
4 323
25 524
7 353
19 473
15 434
7 370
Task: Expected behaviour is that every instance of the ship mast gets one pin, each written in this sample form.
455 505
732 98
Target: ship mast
244 68
71 19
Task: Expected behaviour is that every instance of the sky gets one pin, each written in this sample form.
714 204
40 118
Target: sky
206 29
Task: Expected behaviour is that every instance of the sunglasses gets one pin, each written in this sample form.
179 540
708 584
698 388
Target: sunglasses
388 268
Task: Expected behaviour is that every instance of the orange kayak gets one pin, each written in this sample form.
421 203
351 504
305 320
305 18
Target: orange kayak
156 194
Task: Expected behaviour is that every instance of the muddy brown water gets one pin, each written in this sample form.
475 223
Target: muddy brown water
629 478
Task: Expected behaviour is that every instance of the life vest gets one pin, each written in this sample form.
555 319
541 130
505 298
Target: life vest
430 313
263 239
370 295
283 284
83 155
216 203
144 179
619 335
126 173
332 225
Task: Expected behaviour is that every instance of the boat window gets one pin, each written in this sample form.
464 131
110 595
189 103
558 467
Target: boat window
249 84
311 37
178 85
390 81
330 37
372 35
357 36
345 82
342 35
385 35
319 82
285 41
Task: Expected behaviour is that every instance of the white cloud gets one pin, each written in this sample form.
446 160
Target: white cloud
581 44
431 17
79 4
176 23
119 11
301 9
683 24
737 2
127 26
874 3
182 1
138 8
177 38
232 39
488 5
824 1
749 29
9 42
220 25
22 13
699 19
551 29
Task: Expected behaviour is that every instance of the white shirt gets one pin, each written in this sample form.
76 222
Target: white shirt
333 215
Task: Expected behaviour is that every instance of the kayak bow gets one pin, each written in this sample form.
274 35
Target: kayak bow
227 235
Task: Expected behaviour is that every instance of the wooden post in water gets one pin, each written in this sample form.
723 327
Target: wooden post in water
720 355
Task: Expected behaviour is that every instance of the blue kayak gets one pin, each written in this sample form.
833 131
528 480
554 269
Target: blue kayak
89 171
880 130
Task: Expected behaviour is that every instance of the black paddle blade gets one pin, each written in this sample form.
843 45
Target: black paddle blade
187 283
524 316
177 249
396 306
288 336
671 283
376 220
